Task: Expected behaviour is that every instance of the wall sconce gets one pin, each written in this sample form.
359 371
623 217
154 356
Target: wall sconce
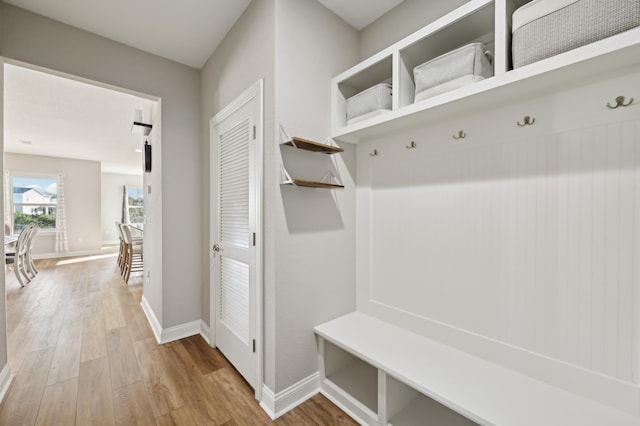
138 127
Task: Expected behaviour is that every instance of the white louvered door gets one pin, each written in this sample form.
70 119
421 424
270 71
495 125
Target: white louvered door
234 218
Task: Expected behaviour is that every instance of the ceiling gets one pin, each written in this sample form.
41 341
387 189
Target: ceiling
58 117
185 31
360 13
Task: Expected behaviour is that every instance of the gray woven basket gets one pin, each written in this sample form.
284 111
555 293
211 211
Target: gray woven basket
575 25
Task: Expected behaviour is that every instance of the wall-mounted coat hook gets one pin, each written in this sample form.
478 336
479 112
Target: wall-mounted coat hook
374 153
460 135
620 102
528 121
411 145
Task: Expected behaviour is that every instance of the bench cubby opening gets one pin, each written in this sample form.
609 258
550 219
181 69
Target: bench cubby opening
407 407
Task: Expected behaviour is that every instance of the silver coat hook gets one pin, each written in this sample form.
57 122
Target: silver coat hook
528 121
411 145
375 153
460 135
620 102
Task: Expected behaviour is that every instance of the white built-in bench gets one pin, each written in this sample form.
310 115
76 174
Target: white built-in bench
382 374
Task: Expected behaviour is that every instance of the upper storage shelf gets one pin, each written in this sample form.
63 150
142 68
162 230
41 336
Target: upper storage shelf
477 21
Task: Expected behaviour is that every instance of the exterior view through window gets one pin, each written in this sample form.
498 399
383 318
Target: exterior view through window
34 200
135 197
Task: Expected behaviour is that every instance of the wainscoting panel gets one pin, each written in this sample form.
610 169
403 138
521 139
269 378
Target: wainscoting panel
531 241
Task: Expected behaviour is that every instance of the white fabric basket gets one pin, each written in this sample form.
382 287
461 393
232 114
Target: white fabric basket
454 69
369 102
544 28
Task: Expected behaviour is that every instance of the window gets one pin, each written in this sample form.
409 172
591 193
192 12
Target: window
135 201
34 200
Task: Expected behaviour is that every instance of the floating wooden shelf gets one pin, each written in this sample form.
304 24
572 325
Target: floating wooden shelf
308 145
312 184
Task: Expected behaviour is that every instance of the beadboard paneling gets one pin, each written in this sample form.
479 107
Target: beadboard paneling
528 241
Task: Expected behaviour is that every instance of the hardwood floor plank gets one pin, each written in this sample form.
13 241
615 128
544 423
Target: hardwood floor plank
66 361
237 397
20 405
94 338
160 378
195 386
93 341
179 417
95 399
137 324
113 316
317 410
58 405
206 358
123 363
132 407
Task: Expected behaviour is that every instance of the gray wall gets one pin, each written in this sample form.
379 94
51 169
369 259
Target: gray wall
245 55
82 199
174 294
404 19
303 227
314 228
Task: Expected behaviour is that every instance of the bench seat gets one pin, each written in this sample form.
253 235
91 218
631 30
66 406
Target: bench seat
479 390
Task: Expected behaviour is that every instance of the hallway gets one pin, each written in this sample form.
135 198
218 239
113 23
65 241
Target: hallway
82 353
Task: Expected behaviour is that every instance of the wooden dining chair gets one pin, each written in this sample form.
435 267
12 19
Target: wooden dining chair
133 257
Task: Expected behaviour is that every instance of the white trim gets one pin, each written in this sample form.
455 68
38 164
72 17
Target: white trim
110 242
255 91
177 332
180 331
71 254
6 378
276 405
205 331
151 317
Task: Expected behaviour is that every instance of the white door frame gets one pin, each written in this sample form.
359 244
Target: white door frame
256 91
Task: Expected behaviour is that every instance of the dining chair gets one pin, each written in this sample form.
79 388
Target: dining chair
30 264
133 257
120 260
20 258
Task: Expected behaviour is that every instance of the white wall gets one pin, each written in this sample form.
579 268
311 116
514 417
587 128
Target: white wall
174 292
82 200
404 19
4 366
112 184
516 244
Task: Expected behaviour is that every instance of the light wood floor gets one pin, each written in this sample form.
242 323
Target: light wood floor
83 353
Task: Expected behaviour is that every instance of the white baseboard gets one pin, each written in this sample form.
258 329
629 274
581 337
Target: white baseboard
166 335
153 320
180 331
205 331
275 405
67 254
5 381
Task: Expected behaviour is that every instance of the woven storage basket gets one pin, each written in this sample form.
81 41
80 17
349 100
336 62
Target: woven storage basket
369 102
454 69
544 28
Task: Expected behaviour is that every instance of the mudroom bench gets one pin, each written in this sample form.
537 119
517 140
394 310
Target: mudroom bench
382 374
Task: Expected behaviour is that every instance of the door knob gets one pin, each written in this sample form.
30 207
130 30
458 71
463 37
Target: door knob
216 248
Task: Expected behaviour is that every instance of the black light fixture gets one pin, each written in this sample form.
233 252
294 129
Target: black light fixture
138 127
147 157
